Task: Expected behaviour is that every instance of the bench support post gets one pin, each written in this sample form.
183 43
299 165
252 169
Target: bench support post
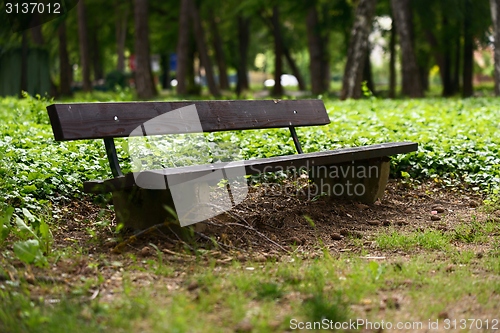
112 157
362 181
296 141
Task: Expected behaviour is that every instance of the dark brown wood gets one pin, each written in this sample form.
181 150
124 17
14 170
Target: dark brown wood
252 167
112 120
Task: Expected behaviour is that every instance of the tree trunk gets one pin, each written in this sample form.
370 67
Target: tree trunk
165 68
84 46
456 64
447 77
315 50
183 48
64 65
219 53
243 44
367 72
192 87
356 53
412 84
24 64
468 69
277 90
447 81
293 67
319 60
36 33
438 56
495 14
285 51
424 77
392 61
96 58
144 82
202 49
121 34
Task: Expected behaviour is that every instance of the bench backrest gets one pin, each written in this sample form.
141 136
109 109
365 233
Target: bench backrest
77 121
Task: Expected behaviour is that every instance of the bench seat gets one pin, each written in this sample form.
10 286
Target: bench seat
256 166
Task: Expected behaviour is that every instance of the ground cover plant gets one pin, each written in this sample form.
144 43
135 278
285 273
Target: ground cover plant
458 144
284 259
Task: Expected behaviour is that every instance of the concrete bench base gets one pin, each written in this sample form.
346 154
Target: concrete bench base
138 209
364 181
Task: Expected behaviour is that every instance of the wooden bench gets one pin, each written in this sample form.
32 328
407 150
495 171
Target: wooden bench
139 206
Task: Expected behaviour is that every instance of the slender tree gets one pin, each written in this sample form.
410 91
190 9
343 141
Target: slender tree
412 84
358 44
202 49
219 51
317 44
84 46
278 54
122 10
95 52
468 51
285 50
24 63
495 16
367 72
65 69
143 76
183 48
243 45
36 33
392 61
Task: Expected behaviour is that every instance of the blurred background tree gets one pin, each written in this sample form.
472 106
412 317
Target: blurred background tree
258 48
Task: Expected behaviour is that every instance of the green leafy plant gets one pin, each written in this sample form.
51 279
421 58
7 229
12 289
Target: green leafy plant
35 239
375 269
36 170
5 226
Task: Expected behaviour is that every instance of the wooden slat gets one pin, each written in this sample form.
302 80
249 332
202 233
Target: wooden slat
257 166
111 120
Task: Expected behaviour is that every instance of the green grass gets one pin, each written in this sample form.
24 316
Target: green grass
470 232
443 270
266 298
428 239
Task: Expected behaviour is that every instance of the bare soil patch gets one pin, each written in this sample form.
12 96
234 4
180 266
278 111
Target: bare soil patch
268 226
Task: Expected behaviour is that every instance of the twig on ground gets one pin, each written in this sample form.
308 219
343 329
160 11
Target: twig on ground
181 240
130 240
248 227
224 247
